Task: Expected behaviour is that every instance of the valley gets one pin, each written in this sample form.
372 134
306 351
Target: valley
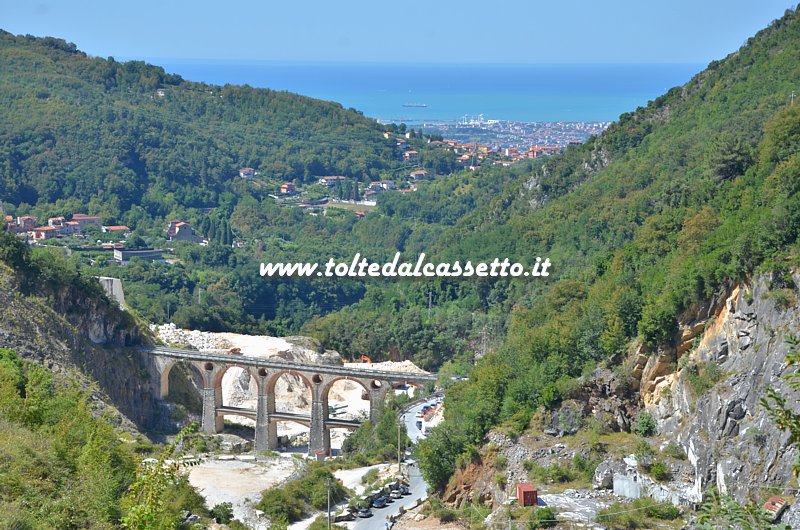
151 377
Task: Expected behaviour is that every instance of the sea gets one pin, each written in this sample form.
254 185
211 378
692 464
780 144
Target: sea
450 93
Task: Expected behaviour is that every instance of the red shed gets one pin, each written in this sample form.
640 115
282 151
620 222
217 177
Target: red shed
527 495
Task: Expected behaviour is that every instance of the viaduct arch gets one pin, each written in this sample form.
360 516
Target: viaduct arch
318 377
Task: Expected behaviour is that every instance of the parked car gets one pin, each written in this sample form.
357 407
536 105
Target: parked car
364 513
404 490
395 494
380 502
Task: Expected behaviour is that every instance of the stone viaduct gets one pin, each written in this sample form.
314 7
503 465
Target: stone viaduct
266 372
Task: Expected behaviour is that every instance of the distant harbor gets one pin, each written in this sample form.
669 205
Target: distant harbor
509 137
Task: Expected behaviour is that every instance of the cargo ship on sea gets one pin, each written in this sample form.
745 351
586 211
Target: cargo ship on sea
416 105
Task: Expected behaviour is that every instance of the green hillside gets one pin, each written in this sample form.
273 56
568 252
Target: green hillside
671 204
97 131
87 134
68 447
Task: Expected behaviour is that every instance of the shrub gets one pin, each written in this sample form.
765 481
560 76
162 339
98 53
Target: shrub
703 376
757 436
635 515
586 466
438 510
666 512
659 471
445 515
594 443
377 442
645 424
658 325
644 454
13 251
223 513
370 476
543 517
278 505
500 462
674 450
517 423
298 497
555 473
783 298
597 426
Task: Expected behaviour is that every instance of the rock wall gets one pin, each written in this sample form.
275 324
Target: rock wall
729 439
81 338
730 442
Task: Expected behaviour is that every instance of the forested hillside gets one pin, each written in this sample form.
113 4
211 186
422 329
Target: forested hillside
96 131
662 211
68 444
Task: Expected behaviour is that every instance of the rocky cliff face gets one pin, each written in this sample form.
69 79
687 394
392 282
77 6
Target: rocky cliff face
737 347
80 338
98 319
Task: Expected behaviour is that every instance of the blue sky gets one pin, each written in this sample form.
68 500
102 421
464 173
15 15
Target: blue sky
446 31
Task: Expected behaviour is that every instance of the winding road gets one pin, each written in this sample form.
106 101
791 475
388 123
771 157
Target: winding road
417 484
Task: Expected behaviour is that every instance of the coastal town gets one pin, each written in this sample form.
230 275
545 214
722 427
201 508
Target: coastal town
505 134
502 134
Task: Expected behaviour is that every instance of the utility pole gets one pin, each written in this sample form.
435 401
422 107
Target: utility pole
792 97
430 300
329 504
399 469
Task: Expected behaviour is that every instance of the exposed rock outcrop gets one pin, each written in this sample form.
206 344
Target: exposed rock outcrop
608 397
80 337
726 433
